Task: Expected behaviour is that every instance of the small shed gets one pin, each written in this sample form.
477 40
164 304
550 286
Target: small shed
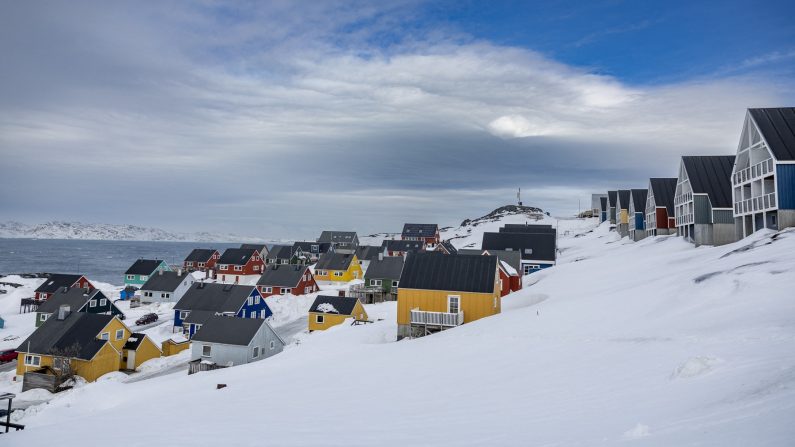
328 311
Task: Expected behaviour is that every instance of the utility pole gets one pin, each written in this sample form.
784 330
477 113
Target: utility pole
519 196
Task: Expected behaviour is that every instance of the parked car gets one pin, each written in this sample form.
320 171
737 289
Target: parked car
8 355
146 319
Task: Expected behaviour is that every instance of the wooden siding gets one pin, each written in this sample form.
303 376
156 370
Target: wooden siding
354 272
105 361
623 217
723 217
330 320
785 187
171 347
474 305
148 350
702 209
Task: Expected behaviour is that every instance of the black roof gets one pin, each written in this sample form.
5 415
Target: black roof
611 199
547 229
280 252
543 245
663 190
623 199
603 203
459 273
369 252
526 226
401 245
57 281
75 336
165 281
214 297
306 246
419 230
284 275
711 175
200 255
389 268
334 261
262 249
75 298
143 267
777 126
338 237
639 199
342 304
134 341
236 256
228 330
448 247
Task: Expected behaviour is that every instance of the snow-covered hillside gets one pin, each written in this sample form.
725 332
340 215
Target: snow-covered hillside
79 230
651 343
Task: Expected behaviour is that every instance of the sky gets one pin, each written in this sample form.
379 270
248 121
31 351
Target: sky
280 119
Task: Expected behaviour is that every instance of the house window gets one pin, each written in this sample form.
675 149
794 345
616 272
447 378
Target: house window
92 303
395 283
32 360
337 273
319 319
104 336
130 277
256 352
166 295
183 314
256 268
238 268
144 277
207 350
250 300
320 272
256 299
307 289
103 302
119 334
262 314
273 345
147 294
375 282
528 251
189 264
453 304
43 317
201 264
268 289
286 290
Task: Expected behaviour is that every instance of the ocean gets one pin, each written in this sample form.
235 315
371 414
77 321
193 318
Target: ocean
104 261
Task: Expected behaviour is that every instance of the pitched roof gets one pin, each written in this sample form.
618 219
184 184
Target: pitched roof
526 226
528 229
663 190
229 330
459 273
339 237
369 252
542 245
603 203
75 298
623 199
419 230
200 255
284 275
512 258
306 246
214 297
777 126
389 268
280 252
401 245
74 336
343 305
448 247
166 281
639 199
711 175
611 199
262 249
57 281
334 261
236 256
134 341
143 267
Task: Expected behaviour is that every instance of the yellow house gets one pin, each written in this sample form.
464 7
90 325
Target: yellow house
138 349
91 345
438 292
175 345
328 311
338 267
622 212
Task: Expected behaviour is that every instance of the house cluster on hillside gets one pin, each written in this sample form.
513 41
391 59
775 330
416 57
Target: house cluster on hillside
717 199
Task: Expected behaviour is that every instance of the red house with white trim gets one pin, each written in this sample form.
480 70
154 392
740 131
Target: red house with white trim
287 279
240 266
202 260
57 281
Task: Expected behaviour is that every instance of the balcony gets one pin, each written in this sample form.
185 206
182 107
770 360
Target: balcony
761 203
442 319
756 171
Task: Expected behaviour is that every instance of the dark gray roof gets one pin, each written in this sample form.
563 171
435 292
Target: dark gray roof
199 316
214 297
339 237
611 199
165 281
512 258
547 229
543 245
143 267
448 247
663 190
134 341
280 252
369 252
526 226
236 256
401 245
623 199
777 126
75 298
334 261
262 249
388 268
75 336
711 175
343 304
603 203
284 275
638 197
306 247
229 330
459 273
200 255
419 230
57 281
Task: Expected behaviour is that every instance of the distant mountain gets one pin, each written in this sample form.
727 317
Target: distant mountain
79 230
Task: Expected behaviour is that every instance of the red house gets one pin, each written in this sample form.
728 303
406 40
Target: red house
428 233
287 279
240 266
660 219
202 260
57 281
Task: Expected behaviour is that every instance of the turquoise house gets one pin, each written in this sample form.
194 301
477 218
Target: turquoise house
142 269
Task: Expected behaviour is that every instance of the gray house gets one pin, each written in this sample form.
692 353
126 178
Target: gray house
611 208
637 213
660 207
703 200
367 253
229 341
342 241
166 287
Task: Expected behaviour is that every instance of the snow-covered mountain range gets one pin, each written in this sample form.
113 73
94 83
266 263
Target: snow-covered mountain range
93 231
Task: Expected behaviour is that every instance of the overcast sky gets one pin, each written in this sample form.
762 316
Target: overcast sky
279 119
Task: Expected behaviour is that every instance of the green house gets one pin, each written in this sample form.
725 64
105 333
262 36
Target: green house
384 273
142 269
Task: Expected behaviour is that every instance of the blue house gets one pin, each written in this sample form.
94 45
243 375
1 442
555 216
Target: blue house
637 213
602 209
205 300
536 245
2 323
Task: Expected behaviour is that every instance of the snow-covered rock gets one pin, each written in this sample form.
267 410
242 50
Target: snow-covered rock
92 231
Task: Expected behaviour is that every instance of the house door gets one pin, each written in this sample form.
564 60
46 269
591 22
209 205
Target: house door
130 359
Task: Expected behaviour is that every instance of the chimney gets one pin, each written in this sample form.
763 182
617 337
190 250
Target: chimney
63 312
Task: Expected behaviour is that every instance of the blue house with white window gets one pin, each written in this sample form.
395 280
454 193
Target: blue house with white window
206 300
141 270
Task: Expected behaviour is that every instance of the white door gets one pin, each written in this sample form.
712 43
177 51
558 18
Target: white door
130 359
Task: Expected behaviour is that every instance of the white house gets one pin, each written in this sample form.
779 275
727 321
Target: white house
229 341
166 286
